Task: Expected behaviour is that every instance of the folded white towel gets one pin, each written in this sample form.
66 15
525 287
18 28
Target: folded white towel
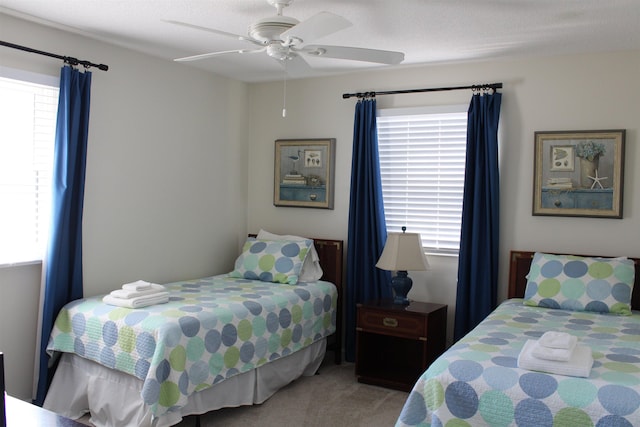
554 339
578 366
128 294
138 285
138 302
549 353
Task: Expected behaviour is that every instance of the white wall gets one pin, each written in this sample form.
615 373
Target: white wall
166 184
582 92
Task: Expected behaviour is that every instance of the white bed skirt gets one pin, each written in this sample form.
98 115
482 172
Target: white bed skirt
81 386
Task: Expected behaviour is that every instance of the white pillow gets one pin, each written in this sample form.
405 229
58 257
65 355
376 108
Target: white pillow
311 270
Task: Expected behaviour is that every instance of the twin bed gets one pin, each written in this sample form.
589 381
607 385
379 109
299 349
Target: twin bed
478 382
222 341
230 341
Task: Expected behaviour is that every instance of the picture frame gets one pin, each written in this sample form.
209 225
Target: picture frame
579 173
303 173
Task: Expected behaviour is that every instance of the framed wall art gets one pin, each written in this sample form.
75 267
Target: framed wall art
579 173
303 173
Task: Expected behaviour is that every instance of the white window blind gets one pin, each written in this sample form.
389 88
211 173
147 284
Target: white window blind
27 130
422 162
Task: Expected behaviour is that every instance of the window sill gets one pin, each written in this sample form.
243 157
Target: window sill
20 264
442 254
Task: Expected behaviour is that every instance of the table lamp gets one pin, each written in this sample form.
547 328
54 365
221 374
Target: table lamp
402 252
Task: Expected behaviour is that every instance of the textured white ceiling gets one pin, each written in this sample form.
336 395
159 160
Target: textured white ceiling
427 31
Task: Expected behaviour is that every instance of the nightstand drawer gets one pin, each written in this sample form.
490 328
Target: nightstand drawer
395 343
393 323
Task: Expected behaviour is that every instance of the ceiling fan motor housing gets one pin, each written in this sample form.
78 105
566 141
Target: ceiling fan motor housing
269 29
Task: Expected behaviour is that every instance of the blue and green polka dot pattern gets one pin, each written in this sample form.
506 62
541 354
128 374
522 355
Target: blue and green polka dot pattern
477 381
210 330
278 261
603 285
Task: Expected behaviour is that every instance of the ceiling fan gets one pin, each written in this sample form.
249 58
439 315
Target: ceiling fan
286 40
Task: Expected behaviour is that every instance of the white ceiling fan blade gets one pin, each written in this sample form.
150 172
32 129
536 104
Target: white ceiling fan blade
296 66
211 54
319 25
355 54
214 31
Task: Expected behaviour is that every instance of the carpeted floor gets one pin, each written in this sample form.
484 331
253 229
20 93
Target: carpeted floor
333 397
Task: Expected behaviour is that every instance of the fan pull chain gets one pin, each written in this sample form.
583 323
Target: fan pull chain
284 98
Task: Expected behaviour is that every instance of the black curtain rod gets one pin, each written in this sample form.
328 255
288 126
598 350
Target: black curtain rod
67 59
493 86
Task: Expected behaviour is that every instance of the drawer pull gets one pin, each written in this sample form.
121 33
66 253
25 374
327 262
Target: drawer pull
390 322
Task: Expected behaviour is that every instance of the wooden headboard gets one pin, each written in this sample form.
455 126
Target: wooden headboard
330 253
520 262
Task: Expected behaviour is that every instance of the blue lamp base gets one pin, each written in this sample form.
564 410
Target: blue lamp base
401 284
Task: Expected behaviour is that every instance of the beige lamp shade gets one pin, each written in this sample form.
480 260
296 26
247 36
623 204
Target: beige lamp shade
403 252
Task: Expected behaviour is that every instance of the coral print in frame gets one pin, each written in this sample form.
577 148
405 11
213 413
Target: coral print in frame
303 175
579 173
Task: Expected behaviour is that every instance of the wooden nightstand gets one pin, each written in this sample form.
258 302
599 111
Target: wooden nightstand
396 343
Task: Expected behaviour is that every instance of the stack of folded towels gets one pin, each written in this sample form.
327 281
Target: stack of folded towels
137 295
556 353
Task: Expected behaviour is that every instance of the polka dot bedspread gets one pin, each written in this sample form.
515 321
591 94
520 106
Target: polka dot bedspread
477 381
211 329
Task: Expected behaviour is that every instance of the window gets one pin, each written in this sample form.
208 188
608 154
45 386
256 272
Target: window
28 109
422 162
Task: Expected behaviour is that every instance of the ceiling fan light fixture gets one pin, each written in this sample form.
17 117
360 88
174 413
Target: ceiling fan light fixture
280 52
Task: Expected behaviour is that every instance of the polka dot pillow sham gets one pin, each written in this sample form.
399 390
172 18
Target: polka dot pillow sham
602 285
277 261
